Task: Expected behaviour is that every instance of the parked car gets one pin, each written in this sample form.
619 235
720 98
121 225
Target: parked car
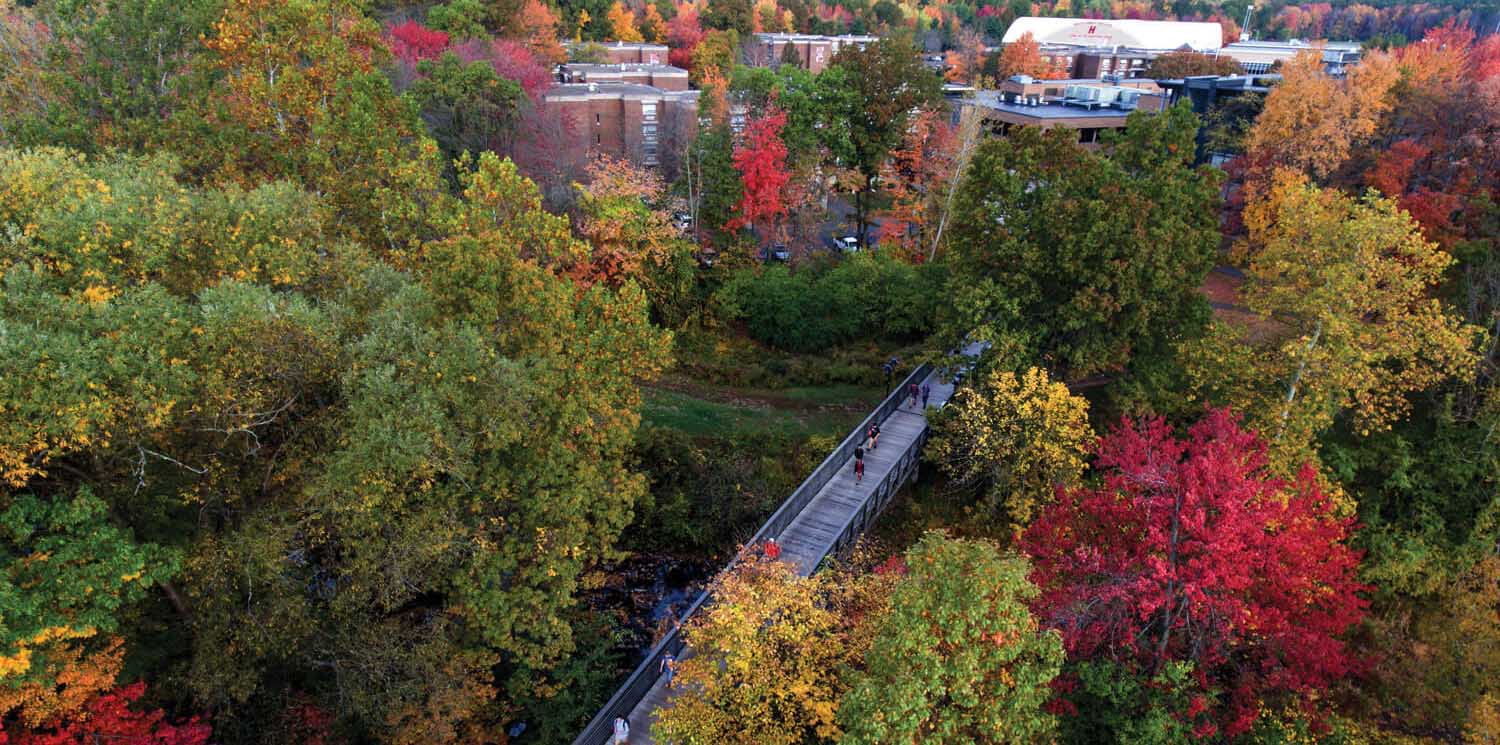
848 244
682 221
779 252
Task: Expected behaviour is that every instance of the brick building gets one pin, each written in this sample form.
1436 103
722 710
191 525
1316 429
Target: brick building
665 77
643 124
813 52
628 52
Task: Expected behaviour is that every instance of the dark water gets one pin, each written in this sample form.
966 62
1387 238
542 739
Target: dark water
646 594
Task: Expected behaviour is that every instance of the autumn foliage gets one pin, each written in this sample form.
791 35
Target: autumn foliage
761 161
1024 57
1191 551
111 718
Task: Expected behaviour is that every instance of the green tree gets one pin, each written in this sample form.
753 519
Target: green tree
467 107
1090 262
957 658
113 68
889 82
731 15
460 19
65 574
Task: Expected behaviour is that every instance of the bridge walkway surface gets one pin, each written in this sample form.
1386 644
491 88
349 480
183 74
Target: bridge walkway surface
827 513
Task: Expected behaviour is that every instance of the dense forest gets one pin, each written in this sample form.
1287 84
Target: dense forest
337 407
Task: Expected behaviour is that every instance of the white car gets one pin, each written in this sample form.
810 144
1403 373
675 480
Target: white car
848 244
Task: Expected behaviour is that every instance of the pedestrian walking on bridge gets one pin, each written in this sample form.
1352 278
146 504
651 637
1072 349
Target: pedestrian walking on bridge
926 391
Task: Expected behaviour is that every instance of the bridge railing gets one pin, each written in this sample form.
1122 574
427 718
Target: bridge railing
635 688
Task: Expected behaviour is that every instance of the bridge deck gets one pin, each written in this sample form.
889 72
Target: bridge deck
818 524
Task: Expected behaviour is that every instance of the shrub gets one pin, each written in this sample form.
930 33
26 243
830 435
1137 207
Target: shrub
863 297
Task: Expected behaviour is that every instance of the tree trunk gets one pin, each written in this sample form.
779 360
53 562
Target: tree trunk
1291 388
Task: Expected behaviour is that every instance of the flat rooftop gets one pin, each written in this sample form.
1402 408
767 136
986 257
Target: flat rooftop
991 100
816 37
624 67
612 90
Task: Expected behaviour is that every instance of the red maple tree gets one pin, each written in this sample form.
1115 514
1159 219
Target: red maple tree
411 42
512 60
1192 551
109 718
761 160
683 34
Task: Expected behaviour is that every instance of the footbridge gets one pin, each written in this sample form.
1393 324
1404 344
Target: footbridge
825 515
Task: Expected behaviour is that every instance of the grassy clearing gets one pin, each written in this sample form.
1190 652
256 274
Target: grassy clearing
727 413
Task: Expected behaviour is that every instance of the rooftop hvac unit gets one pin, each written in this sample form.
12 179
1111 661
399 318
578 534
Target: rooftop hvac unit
1022 79
1128 99
1086 93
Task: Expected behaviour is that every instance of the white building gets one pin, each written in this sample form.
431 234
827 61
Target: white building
1152 36
1257 57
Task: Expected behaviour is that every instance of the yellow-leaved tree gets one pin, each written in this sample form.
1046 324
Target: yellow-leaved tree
1312 121
1349 322
1010 440
767 657
622 23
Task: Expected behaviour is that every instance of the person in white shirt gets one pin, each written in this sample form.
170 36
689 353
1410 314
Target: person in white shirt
622 731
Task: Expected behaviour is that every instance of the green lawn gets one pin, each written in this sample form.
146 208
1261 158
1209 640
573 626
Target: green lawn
713 411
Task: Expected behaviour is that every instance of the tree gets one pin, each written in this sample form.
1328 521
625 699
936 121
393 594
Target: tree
957 657
1311 122
912 176
622 23
890 82
731 15
653 26
1445 668
1348 285
460 19
683 35
1191 551
297 93
467 107
631 238
411 42
1090 262
538 25
713 58
1012 441
1183 64
966 58
110 719
514 62
1024 57
765 662
68 573
714 186
112 71
761 161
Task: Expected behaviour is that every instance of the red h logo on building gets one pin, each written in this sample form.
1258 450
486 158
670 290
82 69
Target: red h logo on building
1091 29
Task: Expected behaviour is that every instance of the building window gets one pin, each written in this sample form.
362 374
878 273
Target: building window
1088 135
598 139
598 120
648 112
